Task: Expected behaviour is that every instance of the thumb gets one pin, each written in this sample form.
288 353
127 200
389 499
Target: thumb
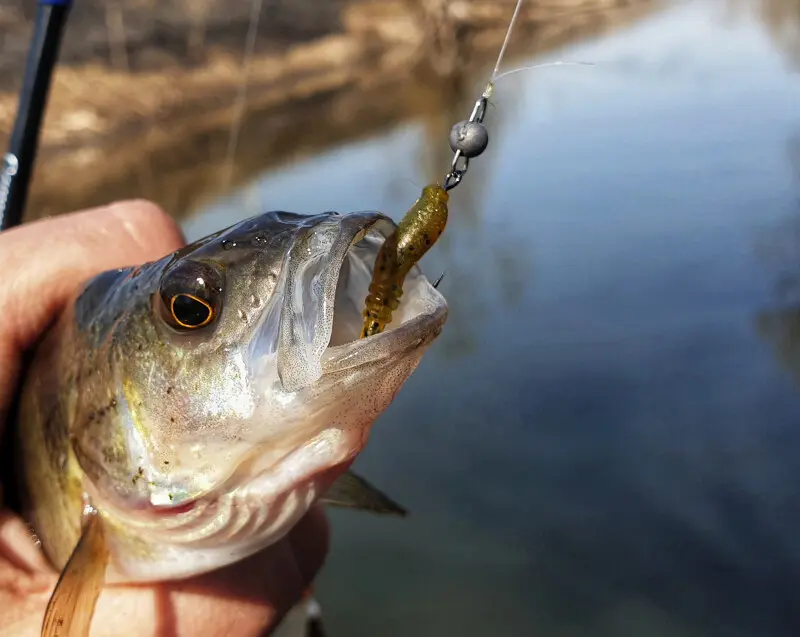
42 264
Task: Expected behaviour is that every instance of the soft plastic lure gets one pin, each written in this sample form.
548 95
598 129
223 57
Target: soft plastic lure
417 232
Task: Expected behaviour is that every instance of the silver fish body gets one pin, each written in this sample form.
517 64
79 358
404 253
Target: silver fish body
198 402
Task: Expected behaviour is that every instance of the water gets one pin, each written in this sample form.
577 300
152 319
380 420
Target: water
605 439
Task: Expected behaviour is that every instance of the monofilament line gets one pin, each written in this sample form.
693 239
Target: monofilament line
241 97
505 41
540 66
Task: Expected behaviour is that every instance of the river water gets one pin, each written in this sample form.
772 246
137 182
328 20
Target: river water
605 441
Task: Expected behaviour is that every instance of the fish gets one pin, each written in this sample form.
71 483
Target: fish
182 414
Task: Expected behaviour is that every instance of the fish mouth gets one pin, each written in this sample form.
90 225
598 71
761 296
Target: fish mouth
326 286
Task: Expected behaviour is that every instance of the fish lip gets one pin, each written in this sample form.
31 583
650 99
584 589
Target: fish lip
398 339
412 334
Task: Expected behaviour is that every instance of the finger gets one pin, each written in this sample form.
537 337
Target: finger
310 542
243 599
258 591
248 598
43 263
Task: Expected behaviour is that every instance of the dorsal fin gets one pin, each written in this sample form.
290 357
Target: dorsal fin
71 607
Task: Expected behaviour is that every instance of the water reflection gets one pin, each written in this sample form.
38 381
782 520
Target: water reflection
780 18
782 329
781 326
599 443
162 133
615 456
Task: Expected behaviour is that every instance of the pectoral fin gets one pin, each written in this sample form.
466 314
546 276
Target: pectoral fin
353 491
71 607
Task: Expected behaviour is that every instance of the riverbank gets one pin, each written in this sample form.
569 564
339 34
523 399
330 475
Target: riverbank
130 118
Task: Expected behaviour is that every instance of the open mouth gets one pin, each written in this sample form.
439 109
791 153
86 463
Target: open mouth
327 282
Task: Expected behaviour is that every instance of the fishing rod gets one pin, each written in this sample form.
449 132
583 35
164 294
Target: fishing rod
17 166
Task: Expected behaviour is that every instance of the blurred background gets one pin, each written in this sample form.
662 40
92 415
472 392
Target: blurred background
605 440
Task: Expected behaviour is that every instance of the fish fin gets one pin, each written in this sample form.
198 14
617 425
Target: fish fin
71 607
353 491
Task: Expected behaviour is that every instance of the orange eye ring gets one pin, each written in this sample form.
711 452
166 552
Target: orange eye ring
191 312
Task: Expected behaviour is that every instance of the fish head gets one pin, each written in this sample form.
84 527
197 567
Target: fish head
232 383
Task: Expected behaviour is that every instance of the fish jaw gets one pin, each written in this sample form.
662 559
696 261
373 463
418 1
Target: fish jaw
215 532
303 429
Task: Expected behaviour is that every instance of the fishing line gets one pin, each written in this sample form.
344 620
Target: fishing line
241 96
505 40
469 138
495 76
529 67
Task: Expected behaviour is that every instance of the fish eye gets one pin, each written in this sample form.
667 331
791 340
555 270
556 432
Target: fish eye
189 311
191 295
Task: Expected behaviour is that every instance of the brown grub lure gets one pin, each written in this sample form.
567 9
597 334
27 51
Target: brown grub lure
415 234
422 225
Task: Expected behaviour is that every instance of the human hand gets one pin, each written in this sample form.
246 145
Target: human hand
41 264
